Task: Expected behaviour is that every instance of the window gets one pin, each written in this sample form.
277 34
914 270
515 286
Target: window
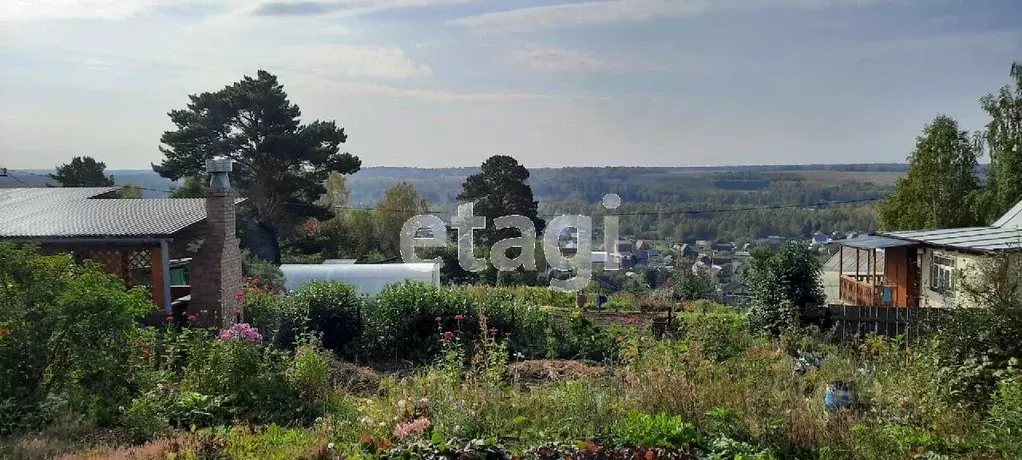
942 274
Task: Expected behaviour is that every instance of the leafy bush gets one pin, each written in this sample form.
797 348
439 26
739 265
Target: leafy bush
721 335
333 310
262 272
280 319
1004 424
65 329
660 430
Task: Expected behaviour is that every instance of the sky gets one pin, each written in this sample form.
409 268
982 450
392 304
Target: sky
435 83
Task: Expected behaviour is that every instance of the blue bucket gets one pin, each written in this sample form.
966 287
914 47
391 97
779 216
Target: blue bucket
839 395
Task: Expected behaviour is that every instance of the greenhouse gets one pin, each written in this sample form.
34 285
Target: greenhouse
367 279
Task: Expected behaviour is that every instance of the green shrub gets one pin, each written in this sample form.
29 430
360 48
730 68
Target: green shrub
262 272
311 371
660 430
69 330
333 311
280 319
722 335
1004 424
247 381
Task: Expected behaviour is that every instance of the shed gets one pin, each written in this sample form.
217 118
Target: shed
130 238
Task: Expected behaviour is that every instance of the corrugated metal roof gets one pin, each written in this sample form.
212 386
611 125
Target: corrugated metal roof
73 213
990 239
1012 218
874 242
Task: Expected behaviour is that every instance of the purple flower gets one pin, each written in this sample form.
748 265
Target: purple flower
243 331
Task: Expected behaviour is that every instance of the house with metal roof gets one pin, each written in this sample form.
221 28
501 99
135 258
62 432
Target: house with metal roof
922 268
134 239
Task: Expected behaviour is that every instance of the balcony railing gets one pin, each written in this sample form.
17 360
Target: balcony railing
867 291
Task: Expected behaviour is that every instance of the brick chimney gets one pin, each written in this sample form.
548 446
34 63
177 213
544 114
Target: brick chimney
215 272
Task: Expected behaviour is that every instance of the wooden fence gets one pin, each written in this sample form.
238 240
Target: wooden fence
848 322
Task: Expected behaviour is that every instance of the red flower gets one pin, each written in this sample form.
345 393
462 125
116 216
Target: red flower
448 335
169 319
236 313
145 353
5 332
459 317
239 296
191 318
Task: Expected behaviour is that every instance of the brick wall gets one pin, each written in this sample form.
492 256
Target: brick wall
215 271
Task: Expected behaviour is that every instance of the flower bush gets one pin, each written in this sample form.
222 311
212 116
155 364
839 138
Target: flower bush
241 331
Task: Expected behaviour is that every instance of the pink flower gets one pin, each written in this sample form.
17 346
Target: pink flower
438 319
5 332
459 317
901 402
243 331
169 319
493 331
620 339
192 318
239 296
417 426
448 335
851 417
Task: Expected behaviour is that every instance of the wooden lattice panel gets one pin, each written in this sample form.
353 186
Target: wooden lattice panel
110 259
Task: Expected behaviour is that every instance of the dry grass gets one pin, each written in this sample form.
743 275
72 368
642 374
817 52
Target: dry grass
549 370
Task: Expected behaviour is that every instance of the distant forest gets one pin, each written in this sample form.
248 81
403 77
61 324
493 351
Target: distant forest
671 203
657 196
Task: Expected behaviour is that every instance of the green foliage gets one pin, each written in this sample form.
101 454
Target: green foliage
1004 424
263 272
979 345
660 430
721 335
278 159
399 203
941 177
693 286
400 321
83 172
782 283
66 330
1003 136
501 189
196 186
130 191
332 309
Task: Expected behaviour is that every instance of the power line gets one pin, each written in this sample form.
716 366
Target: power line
12 176
635 213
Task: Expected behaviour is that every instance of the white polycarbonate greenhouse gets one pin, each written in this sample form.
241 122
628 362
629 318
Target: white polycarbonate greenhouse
368 278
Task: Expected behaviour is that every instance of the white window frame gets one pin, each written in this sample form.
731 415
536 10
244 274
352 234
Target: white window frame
942 273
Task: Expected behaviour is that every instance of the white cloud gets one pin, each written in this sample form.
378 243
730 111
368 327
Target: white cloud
559 60
29 10
616 11
346 60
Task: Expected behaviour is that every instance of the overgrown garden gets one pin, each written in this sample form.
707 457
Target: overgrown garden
473 372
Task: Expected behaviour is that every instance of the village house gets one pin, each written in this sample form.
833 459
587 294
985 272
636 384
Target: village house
921 268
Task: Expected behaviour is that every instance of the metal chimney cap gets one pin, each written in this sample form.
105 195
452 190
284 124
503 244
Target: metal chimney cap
219 165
